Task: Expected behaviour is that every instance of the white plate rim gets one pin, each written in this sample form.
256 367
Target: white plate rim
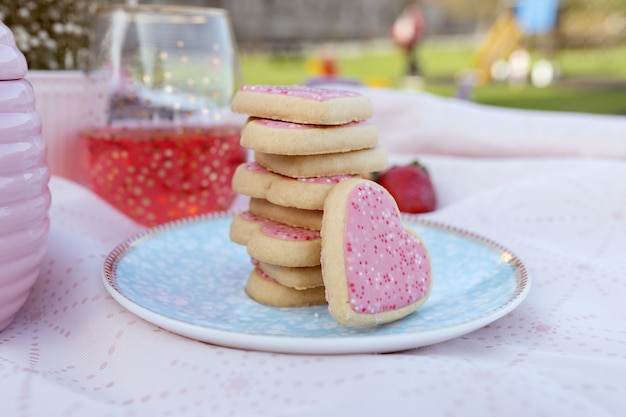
370 343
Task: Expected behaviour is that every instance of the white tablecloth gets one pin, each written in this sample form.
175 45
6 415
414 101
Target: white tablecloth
551 187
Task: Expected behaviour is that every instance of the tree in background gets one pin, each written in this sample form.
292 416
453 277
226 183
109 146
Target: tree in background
52 34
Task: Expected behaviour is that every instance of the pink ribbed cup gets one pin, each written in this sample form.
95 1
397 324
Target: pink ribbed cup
24 176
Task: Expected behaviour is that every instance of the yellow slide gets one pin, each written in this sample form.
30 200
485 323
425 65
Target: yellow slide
501 40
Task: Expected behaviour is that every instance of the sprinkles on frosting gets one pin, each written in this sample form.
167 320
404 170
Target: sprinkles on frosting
386 266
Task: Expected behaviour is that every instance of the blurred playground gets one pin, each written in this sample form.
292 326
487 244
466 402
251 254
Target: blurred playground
520 60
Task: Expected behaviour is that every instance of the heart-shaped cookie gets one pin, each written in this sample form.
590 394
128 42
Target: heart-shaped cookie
375 270
253 180
276 243
324 165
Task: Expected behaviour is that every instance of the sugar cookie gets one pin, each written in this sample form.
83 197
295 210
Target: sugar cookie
299 278
286 138
309 219
265 290
253 180
276 243
307 166
302 104
375 270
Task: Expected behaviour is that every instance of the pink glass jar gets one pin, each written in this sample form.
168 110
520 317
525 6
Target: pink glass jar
24 176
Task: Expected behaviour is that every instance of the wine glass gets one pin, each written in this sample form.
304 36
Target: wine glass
162 143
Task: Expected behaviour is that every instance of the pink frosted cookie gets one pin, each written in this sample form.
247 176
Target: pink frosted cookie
253 180
299 278
265 290
301 104
276 243
302 166
374 269
309 219
286 138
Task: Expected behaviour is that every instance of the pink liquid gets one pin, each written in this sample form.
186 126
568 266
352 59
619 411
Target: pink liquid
156 175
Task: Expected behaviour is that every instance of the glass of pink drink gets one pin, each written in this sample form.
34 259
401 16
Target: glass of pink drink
163 144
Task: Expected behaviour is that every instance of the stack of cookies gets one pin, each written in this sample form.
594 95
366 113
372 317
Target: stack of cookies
305 141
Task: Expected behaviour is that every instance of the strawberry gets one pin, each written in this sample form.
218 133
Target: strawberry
410 186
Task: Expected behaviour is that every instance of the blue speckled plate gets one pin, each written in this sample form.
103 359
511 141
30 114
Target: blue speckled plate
189 278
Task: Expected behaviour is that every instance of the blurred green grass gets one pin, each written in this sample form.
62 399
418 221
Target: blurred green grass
591 80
